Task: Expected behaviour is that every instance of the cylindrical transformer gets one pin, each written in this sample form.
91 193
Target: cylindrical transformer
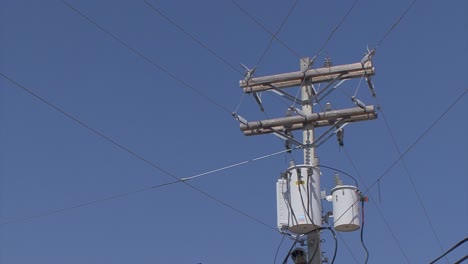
345 208
305 210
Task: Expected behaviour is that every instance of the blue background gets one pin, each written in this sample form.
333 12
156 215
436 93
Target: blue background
49 162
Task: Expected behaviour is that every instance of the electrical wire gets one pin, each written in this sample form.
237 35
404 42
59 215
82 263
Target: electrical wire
141 55
408 150
347 248
136 155
410 177
421 136
278 248
362 232
180 28
459 243
290 250
277 32
382 216
461 260
112 197
340 171
336 244
264 28
395 24
138 190
319 52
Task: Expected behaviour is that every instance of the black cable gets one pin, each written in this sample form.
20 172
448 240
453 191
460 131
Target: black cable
290 250
315 253
421 137
136 155
461 260
265 28
336 243
384 219
340 171
203 45
277 31
411 180
336 28
141 55
362 232
278 248
395 24
459 243
88 203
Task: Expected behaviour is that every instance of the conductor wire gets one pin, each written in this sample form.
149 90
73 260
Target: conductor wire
141 55
136 155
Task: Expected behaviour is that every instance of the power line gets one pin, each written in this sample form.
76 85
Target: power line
264 28
278 248
136 155
421 137
459 243
336 28
141 55
413 185
199 42
112 197
277 31
409 148
395 24
382 216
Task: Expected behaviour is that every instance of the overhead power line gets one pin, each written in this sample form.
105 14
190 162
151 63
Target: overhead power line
277 31
382 216
265 28
459 243
141 55
129 151
191 36
420 137
395 24
336 28
425 132
413 185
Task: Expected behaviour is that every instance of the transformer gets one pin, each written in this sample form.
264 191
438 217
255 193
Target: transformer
298 199
345 200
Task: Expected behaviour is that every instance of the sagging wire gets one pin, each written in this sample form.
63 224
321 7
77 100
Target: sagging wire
336 245
340 171
362 232
278 248
459 243
317 229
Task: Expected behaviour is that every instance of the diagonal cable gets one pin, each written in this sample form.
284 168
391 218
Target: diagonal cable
277 32
141 55
196 40
413 185
264 28
395 24
378 209
425 132
129 151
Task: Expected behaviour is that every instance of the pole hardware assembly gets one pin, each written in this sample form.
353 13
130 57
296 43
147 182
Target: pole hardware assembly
298 193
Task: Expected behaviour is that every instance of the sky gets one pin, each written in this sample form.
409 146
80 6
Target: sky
123 100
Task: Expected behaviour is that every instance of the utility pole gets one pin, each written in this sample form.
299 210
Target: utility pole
293 192
313 239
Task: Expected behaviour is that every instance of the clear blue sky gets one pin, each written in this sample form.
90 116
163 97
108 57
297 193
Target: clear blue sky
50 162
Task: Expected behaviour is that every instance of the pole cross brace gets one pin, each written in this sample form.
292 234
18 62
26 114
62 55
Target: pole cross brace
320 119
317 75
